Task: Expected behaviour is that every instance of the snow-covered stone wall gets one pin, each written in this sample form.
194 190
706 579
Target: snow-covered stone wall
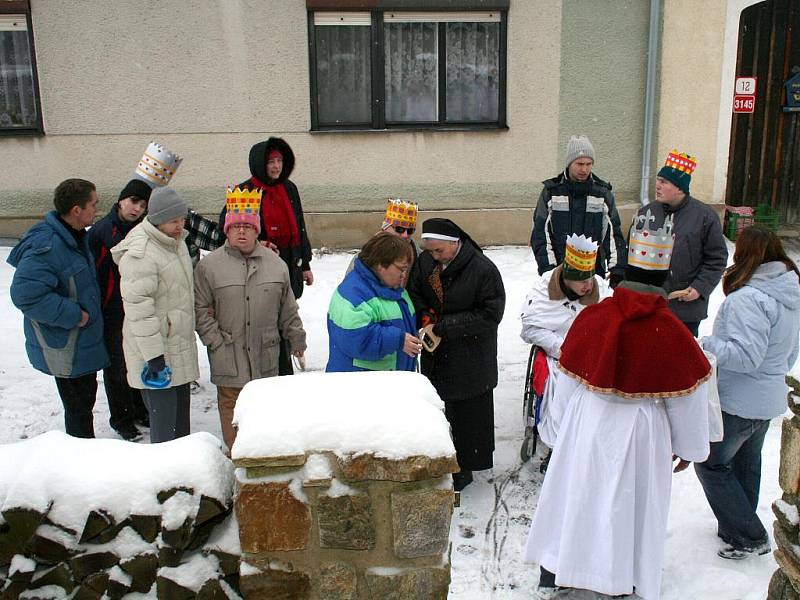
103 518
343 487
785 583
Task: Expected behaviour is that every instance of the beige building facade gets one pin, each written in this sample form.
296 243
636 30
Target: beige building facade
209 79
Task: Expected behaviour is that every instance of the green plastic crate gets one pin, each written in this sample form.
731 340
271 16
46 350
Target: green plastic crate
767 216
735 222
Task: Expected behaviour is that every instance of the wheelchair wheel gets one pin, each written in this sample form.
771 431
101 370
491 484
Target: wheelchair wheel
529 442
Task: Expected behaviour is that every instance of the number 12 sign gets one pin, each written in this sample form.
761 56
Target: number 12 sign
744 95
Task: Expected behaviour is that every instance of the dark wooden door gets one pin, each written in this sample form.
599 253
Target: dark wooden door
764 163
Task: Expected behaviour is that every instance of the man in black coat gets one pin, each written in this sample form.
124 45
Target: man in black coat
125 403
700 254
459 298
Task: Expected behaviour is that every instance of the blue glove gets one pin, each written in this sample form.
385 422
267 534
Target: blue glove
156 374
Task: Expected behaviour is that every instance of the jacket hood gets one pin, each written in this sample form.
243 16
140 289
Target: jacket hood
39 239
777 282
136 241
258 159
375 284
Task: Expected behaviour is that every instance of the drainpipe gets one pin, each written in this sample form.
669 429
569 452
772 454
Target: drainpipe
649 99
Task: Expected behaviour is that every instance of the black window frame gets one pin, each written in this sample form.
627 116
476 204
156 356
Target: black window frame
23 8
378 63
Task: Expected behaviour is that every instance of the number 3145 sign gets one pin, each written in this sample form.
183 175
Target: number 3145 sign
744 95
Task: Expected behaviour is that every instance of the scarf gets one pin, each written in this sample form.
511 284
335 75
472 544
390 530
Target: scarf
277 215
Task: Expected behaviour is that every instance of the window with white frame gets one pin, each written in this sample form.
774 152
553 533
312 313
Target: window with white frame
19 94
387 69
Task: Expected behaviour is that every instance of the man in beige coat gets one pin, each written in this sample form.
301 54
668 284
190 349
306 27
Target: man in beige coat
244 305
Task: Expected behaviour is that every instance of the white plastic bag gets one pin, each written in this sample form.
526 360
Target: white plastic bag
715 431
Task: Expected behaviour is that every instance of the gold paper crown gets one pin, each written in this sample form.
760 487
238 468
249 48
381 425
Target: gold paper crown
402 213
241 201
681 162
651 249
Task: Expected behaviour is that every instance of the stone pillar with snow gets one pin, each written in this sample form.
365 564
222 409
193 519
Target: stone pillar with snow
343 487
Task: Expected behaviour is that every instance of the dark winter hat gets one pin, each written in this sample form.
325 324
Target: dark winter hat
165 205
136 188
678 170
579 146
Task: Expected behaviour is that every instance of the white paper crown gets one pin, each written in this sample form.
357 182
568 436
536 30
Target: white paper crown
581 243
157 165
651 249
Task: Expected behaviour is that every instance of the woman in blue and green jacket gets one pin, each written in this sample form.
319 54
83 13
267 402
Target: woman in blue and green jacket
371 322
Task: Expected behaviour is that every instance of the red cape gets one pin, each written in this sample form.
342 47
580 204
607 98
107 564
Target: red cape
633 346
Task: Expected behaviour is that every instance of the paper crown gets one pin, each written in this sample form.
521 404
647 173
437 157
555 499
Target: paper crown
681 161
650 249
402 213
239 201
157 165
580 257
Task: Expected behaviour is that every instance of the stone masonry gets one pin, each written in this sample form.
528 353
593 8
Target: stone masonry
785 583
374 528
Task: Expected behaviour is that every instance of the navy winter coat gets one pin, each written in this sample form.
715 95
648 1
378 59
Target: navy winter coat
103 236
53 282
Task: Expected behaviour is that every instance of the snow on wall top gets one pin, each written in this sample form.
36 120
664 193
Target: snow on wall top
387 413
81 475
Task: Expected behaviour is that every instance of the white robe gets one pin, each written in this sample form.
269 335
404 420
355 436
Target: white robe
601 520
545 323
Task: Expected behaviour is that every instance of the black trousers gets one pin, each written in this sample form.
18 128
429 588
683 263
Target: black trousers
169 412
472 424
78 395
124 402
285 359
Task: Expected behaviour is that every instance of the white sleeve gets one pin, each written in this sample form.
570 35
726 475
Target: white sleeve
688 422
538 323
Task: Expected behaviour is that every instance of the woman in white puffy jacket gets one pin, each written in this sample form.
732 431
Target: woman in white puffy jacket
755 340
158 297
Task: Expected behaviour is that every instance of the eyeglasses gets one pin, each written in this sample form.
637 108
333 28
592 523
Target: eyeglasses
242 226
401 230
403 270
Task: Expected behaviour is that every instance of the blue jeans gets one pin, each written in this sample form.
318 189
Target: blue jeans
731 477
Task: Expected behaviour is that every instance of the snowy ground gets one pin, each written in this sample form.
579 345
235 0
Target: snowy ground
490 527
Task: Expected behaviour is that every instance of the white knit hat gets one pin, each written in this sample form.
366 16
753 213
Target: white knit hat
579 146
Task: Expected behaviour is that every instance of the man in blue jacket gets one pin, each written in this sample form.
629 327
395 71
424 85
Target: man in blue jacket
55 288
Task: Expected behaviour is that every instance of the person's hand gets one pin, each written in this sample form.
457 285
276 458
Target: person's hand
682 464
270 246
412 345
298 353
308 277
84 319
691 295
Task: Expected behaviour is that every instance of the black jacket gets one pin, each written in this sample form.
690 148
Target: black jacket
566 207
698 257
104 235
465 363
297 258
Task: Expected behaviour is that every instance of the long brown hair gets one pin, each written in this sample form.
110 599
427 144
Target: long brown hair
755 246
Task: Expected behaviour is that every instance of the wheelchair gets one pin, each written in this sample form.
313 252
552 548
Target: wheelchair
531 413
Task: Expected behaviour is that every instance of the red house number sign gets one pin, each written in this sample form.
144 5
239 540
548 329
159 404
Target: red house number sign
744 95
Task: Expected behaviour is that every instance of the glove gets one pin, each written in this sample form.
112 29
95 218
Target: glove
428 317
614 280
156 374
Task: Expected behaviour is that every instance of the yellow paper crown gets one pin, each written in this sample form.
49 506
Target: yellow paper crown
681 162
402 213
243 201
580 254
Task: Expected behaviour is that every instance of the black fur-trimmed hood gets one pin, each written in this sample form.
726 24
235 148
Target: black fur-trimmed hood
258 159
